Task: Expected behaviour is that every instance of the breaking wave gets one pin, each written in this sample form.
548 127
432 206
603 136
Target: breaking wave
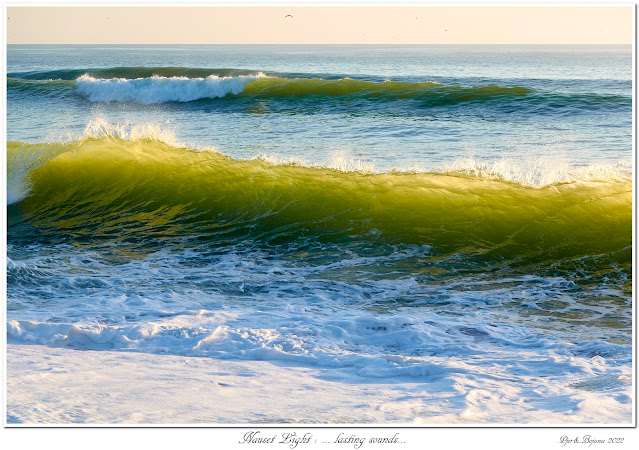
108 187
178 84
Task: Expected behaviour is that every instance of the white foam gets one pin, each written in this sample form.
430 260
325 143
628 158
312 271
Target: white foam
252 306
539 172
535 173
125 387
158 89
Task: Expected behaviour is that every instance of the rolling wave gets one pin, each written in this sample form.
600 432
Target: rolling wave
120 190
176 84
159 89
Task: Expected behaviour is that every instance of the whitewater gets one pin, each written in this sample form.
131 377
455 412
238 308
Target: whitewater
160 89
222 223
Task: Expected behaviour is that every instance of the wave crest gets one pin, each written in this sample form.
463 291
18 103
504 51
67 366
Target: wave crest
100 128
539 172
158 89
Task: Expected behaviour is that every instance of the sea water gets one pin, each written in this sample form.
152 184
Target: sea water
441 215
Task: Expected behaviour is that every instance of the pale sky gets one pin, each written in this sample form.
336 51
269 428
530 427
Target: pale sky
321 25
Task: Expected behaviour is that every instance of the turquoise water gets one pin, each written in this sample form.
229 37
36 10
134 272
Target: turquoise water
373 211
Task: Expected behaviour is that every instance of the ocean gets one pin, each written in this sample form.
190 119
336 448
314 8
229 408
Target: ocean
444 217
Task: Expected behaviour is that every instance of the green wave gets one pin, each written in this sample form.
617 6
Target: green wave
304 87
125 191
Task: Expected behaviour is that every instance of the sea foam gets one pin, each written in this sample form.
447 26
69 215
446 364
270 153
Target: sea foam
157 89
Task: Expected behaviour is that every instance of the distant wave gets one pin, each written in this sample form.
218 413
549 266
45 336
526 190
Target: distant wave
180 85
158 89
